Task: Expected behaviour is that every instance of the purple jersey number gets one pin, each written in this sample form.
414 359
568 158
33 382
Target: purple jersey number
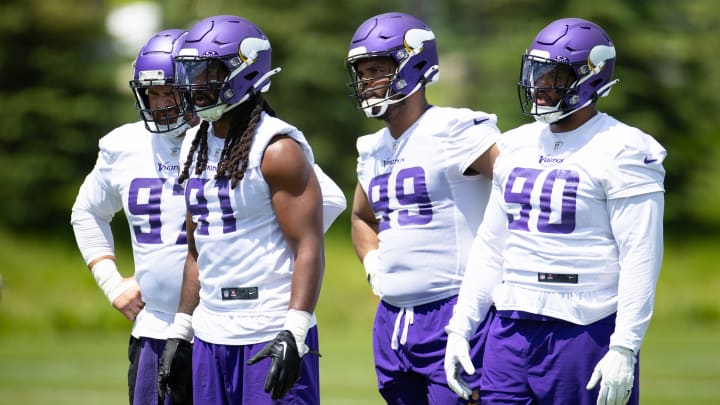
410 191
199 207
519 187
139 206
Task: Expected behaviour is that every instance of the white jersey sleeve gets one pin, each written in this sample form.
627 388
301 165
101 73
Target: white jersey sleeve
637 167
94 208
334 202
470 134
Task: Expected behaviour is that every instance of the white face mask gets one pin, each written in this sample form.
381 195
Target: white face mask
547 115
173 133
375 107
213 113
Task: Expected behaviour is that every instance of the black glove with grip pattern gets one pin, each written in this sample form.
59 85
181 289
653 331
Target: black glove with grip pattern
285 367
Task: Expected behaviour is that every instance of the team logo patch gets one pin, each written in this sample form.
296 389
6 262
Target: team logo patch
550 161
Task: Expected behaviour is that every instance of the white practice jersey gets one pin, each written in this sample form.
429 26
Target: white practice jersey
245 264
136 172
561 257
428 209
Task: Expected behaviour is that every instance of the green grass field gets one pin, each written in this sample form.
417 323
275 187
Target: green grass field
62 343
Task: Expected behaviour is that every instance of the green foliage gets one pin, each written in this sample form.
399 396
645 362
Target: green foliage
57 86
64 83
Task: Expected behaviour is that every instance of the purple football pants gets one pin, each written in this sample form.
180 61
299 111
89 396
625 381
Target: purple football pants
413 373
221 375
539 360
144 355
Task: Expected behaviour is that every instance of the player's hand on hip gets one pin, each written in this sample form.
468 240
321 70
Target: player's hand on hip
616 374
457 359
284 366
129 302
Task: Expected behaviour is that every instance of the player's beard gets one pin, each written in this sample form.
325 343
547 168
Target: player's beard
393 110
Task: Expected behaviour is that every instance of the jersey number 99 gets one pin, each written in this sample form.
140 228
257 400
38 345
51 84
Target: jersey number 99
409 198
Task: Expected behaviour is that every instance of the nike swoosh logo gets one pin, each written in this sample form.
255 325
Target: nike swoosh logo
284 345
478 121
648 161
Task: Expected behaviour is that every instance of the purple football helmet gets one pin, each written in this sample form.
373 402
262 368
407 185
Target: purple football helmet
408 42
154 66
224 61
573 60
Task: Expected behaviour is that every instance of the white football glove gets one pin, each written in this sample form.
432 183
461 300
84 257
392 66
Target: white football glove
616 373
370 263
457 354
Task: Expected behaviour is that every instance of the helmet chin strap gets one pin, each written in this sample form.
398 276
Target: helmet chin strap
374 107
176 133
547 116
167 131
377 107
216 112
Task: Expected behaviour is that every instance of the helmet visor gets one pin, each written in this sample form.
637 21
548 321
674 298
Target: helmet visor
544 83
201 79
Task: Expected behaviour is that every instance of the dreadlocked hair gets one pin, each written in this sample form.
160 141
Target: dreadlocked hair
236 150
201 141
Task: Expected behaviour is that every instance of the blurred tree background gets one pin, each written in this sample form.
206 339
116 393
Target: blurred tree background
65 66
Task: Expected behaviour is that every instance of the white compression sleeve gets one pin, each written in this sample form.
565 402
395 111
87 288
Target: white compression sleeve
93 236
482 273
637 224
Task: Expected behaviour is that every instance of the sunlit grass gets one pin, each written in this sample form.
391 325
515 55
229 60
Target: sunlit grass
62 343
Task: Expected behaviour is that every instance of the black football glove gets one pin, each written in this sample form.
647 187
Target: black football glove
285 366
175 372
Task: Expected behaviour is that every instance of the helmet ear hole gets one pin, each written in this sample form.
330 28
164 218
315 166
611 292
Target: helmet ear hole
251 76
420 65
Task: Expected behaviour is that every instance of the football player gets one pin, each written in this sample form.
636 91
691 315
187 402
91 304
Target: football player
255 258
135 172
571 245
423 178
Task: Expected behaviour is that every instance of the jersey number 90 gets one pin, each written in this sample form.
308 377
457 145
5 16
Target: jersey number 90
555 208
